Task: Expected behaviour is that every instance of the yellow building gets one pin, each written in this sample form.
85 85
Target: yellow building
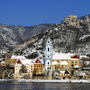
55 65
23 68
63 60
59 64
38 67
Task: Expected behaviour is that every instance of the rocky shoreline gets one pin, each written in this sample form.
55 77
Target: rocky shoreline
46 81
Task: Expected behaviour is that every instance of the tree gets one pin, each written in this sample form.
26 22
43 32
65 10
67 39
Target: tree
23 69
27 76
33 55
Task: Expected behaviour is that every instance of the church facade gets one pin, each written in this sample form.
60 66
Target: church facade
59 60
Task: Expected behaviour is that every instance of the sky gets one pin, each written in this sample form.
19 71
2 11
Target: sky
35 12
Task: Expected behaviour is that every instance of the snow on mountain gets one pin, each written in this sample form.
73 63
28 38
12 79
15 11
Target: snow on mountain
11 36
83 37
68 36
71 35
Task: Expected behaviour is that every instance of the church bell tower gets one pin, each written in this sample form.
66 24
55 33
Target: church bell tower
48 54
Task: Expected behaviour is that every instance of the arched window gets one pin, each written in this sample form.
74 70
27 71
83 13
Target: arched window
48 49
48 63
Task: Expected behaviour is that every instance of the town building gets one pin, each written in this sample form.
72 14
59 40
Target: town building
64 74
65 60
38 67
23 69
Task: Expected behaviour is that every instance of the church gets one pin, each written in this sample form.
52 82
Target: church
59 61
48 54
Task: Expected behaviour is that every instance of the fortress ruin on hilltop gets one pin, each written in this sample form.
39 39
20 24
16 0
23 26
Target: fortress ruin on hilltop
72 20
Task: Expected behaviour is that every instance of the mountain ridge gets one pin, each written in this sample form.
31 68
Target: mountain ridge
11 36
72 35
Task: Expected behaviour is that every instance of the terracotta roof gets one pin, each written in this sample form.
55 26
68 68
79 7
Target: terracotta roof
18 61
38 61
24 62
75 56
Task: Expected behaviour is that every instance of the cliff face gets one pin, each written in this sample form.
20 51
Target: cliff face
65 37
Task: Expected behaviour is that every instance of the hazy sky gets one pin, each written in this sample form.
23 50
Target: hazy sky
34 12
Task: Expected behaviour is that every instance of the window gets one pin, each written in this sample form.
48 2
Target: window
48 49
41 65
48 63
72 65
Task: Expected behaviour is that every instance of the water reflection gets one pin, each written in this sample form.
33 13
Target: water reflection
43 86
